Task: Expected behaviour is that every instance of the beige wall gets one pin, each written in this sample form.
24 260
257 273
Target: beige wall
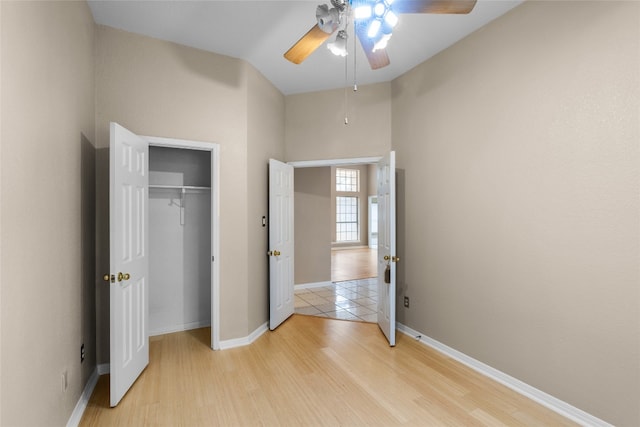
1 186
102 254
372 183
313 221
518 152
518 182
163 89
315 128
47 278
265 129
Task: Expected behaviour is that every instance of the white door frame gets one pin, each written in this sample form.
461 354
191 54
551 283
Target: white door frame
354 161
215 220
334 162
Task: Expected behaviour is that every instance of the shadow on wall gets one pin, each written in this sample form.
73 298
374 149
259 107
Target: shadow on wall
88 254
402 287
266 242
200 63
102 255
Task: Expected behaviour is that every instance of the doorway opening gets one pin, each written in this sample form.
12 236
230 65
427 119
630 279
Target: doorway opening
354 263
183 237
132 191
179 239
336 258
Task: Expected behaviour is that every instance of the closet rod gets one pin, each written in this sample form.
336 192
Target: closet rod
179 187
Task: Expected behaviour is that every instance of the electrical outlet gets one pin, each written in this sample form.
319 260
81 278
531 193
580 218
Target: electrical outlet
82 353
406 301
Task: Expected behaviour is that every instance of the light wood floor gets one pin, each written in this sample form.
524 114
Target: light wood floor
311 372
353 264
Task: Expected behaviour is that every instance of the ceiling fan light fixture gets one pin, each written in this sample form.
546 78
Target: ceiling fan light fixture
379 9
373 23
341 5
362 12
374 29
391 19
382 43
339 46
328 19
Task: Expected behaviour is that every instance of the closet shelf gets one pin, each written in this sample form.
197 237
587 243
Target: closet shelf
179 187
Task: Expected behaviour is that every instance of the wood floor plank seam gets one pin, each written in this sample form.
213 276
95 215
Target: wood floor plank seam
311 371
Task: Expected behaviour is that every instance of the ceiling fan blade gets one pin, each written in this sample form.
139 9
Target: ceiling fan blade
434 6
306 45
377 59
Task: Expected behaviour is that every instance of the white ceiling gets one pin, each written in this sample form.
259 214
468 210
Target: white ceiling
261 31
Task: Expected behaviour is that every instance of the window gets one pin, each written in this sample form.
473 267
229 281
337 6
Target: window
347 180
347 205
346 219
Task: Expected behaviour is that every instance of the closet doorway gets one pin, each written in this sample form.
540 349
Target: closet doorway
147 264
183 236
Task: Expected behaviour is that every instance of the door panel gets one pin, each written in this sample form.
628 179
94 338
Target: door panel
128 222
386 175
281 299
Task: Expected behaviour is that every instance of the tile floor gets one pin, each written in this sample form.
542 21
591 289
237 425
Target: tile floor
348 300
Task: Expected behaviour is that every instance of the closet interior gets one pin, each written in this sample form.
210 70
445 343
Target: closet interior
180 253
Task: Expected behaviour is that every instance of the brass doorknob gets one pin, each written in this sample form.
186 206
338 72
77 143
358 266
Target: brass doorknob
395 258
120 276
127 276
387 258
276 253
106 277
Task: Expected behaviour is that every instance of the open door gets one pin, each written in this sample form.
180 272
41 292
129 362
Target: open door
386 182
281 300
128 234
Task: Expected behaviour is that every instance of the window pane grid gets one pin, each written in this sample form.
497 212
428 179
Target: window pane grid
346 219
347 180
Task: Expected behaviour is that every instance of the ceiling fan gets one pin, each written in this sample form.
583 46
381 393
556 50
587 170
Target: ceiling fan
373 20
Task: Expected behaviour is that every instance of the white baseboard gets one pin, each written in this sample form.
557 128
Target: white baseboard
180 328
104 368
561 407
78 411
240 342
346 248
312 285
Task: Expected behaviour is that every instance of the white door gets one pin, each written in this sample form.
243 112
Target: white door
280 242
386 181
128 187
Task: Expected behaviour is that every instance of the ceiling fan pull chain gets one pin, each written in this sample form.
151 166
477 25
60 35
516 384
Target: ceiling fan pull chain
346 73
346 96
355 84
